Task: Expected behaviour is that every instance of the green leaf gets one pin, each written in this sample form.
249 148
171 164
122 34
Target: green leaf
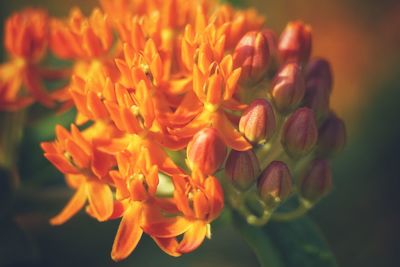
267 254
300 243
297 243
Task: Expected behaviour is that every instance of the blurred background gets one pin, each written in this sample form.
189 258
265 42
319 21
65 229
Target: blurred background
360 218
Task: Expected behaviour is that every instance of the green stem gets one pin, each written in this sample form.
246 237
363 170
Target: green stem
302 209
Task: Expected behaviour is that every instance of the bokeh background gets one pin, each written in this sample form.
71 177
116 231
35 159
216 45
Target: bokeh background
360 218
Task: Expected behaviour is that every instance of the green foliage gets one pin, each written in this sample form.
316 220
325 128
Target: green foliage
297 243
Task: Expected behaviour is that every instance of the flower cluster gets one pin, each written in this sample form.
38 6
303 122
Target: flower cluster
165 91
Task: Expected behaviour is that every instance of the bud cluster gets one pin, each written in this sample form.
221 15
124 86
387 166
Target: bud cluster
291 127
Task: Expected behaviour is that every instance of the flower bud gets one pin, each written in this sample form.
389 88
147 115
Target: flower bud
288 87
300 133
252 55
257 123
295 42
242 168
275 182
331 136
206 151
317 181
317 99
318 86
319 73
272 41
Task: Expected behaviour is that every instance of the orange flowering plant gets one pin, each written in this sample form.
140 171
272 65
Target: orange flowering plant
184 109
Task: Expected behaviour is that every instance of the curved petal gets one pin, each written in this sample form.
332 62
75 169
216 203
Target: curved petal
100 200
193 238
168 227
129 233
73 206
168 245
101 162
229 134
215 196
61 163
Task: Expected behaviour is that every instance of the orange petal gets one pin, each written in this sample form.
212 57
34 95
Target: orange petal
168 227
130 121
231 83
96 106
194 126
74 205
160 158
229 134
168 245
215 196
129 233
101 162
78 155
35 86
193 238
200 205
100 200
61 163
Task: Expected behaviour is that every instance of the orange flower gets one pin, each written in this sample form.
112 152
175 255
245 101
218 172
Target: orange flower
200 200
136 181
136 185
214 86
80 37
86 170
90 94
26 35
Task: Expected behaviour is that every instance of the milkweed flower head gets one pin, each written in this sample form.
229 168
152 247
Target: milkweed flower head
168 94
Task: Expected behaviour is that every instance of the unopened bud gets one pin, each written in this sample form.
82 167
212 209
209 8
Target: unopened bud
295 42
331 136
272 41
319 71
242 169
275 183
257 123
318 87
300 133
317 181
317 99
206 151
288 87
252 55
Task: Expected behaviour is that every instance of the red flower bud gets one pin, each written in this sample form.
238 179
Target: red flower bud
331 136
295 42
319 71
206 151
317 181
252 55
242 168
300 132
257 123
318 87
317 99
272 41
275 182
288 87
